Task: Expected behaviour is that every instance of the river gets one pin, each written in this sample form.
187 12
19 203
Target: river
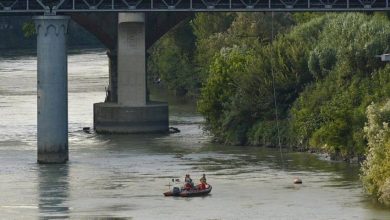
124 176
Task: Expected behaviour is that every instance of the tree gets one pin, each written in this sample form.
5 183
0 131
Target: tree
376 168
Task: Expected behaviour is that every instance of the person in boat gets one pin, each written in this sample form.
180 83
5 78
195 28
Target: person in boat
203 182
188 184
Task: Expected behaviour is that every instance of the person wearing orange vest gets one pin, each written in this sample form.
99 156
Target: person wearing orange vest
203 182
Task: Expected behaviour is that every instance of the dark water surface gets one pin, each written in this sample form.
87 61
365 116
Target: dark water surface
124 176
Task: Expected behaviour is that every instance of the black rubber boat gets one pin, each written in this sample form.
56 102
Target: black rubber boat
176 191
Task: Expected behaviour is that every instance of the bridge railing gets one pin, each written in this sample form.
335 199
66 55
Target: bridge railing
52 6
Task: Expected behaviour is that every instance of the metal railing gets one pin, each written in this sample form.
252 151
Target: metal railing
54 6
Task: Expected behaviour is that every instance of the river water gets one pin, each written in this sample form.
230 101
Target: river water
124 176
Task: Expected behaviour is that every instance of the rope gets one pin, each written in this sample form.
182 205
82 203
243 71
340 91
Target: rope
273 85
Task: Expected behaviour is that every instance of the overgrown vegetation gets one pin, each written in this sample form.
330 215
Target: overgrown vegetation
330 113
376 169
182 58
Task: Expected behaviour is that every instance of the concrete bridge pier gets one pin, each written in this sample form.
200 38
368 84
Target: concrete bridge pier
130 111
52 87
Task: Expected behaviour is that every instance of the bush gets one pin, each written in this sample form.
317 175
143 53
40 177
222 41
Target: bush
376 168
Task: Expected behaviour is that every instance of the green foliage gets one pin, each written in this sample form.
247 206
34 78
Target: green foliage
207 24
220 89
182 58
171 60
226 30
326 74
303 17
265 133
179 57
330 113
239 107
249 27
208 29
376 168
28 29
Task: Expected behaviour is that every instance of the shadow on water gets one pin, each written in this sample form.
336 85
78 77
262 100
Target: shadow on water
294 163
53 191
232 159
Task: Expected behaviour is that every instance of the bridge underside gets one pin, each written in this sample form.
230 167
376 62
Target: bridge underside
31 6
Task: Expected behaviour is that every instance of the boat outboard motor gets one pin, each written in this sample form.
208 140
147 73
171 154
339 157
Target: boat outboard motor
176 191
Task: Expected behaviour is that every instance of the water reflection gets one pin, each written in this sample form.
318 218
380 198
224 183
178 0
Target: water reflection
53 189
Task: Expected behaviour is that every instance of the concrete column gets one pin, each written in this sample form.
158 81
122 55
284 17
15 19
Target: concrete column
131 59
52 88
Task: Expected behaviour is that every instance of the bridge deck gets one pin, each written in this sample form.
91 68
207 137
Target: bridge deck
40 6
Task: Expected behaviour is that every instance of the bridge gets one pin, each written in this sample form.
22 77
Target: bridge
61 6
127 28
